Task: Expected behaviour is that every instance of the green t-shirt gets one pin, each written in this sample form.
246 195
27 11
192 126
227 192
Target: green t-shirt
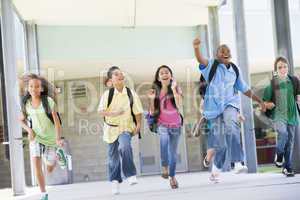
286 108
42 126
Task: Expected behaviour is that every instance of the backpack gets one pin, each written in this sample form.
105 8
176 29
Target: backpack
46 107
203 84
152 122
275 93
130 97
48 110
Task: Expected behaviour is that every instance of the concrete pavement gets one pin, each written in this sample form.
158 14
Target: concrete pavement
192 186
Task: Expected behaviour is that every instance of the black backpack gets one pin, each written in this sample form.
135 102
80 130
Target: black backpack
203 84
130 96
46 107
48 110
275 93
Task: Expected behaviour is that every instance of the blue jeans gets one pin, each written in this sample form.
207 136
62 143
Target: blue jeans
119 151
169 139
220 136
237 153
285 142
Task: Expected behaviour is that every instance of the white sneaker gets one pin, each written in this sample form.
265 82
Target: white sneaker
239 168
115 187
214 177
132 180
215 169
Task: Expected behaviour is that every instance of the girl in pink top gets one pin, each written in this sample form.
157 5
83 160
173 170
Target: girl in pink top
165 101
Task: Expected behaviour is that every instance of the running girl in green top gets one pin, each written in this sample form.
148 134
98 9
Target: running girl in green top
40 119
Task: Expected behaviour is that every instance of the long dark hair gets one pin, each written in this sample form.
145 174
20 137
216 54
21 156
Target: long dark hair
48 90
157 87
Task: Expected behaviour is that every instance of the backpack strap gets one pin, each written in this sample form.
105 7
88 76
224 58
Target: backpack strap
237 73
295 82
236 70
203 84
24 100
110 98
47 107
275 90
130 97
213 71
48 110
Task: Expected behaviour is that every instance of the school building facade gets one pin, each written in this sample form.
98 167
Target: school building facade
74 53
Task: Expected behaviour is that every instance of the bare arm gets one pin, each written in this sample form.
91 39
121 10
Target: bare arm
151 96
105 113
23 124
26 127
57 128
138 118
198 54
251 95
177 96
178 100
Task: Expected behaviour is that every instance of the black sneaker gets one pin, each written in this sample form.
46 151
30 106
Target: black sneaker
232 165
288 172
206 163
279 160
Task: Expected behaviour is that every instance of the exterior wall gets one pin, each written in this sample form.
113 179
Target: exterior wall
82 129
4 169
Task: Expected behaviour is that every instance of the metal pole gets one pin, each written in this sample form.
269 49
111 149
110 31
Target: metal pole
249 140
282 31
31 41
12 98
214 30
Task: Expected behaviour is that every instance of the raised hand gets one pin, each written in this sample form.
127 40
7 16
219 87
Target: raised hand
196 43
